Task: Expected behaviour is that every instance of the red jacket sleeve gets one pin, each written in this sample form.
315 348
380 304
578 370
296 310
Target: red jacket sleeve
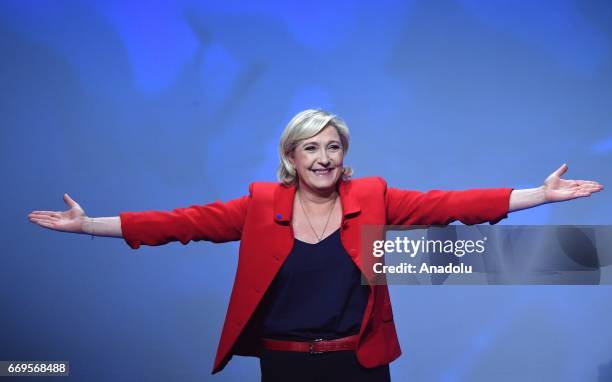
437 207
217 222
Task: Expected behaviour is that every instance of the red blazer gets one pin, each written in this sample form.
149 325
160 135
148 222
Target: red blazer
262 222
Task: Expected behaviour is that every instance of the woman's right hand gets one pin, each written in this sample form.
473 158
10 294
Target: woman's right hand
70 220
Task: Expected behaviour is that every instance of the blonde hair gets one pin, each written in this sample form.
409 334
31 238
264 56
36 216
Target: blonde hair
306 124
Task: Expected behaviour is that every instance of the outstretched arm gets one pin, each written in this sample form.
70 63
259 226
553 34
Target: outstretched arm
553 190
217 222
75 220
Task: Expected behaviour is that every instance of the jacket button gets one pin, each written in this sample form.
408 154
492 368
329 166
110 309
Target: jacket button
276 258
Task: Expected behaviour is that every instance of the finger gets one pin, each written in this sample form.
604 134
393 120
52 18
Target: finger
582 194
561 170
47 225
44 218
585 191
590 188
45 213
71 203
44 223
581 182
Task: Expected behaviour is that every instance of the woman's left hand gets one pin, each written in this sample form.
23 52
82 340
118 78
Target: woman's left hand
557 190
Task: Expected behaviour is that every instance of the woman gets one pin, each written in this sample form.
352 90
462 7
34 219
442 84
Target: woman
297 301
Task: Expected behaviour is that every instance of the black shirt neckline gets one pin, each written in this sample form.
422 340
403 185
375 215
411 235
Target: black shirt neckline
319 242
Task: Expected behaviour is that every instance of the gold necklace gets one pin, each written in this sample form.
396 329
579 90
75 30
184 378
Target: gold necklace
319 238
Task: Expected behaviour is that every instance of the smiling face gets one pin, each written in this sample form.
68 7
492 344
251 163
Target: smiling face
318 160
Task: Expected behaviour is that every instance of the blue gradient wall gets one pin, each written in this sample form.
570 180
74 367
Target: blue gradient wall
131 106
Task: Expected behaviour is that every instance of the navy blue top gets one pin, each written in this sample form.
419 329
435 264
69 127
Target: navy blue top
317 293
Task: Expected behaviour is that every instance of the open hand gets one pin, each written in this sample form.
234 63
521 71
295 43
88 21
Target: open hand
557 189
70 220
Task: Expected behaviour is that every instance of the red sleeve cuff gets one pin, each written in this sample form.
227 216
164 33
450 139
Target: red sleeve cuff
128 229
501 205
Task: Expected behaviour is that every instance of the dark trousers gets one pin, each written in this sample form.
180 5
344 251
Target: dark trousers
284 366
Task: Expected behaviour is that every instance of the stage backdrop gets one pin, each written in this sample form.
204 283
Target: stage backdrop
132 106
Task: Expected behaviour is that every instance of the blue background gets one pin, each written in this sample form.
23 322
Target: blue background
131 106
